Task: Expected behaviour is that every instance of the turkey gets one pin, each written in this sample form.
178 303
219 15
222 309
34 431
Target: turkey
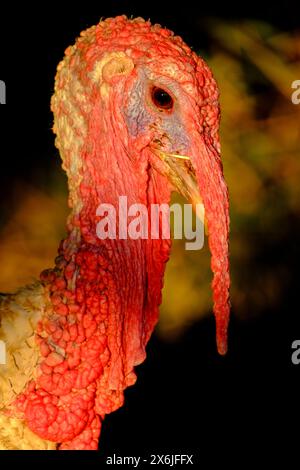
136 114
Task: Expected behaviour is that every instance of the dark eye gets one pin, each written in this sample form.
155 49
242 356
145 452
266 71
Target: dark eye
161 98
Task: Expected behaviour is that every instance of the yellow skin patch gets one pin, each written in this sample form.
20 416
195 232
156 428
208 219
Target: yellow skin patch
19 314
112 65
117 66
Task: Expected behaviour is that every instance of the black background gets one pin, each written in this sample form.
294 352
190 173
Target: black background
242 408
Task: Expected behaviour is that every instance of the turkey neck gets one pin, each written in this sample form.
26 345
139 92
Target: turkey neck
121 278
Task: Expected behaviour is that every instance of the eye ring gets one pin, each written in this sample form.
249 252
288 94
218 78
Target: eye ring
161 98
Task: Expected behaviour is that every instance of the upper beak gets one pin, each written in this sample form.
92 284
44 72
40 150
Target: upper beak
199 178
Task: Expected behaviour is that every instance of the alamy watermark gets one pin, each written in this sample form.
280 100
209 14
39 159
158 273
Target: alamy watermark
296 94
137 221
296 354
2 92
2 352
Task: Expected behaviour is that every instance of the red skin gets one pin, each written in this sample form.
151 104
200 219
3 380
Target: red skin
103 295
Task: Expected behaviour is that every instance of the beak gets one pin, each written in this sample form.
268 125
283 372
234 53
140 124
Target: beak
199 178
182 176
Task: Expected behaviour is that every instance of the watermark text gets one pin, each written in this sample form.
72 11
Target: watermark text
296 94
137 221
2 92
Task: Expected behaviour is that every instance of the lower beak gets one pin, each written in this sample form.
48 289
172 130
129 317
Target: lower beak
199 178
182 176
